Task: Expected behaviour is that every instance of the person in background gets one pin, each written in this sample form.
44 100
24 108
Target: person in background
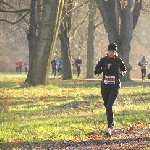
59 63
143 64
78 63
17 66
20 66
54 63
26 65
111 66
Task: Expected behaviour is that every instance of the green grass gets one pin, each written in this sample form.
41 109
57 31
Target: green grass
64 110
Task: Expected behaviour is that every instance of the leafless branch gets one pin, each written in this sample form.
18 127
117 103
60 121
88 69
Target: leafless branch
76 28
80 6
16 11
15 21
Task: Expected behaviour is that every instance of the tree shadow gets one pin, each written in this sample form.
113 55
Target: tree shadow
9 85
58 145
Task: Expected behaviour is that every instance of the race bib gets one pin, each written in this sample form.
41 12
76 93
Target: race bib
109 80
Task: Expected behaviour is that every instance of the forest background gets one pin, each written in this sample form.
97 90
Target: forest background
14 43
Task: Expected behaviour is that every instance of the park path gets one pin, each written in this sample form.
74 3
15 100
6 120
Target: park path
133 138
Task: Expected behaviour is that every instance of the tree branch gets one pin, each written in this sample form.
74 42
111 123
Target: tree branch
107 10
16 11
73 10
99 24
15 21
72 35
136 12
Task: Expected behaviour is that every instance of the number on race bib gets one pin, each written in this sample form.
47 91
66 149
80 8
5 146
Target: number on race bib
109 80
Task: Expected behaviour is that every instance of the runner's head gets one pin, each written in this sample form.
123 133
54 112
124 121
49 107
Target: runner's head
112 48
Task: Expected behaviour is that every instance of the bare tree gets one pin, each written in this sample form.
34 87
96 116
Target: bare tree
90 40
13 22
39 66
120 19
65 28
31 35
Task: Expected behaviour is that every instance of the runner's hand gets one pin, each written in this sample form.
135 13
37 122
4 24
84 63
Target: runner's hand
109 65
119 71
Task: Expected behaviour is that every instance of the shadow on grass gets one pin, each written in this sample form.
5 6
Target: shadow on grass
85 83
107 143
126 115
72 84
55 83
9 85
53 145
70 101
75 101
134 83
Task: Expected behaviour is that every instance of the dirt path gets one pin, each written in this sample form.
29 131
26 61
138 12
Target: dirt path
136 137
133 138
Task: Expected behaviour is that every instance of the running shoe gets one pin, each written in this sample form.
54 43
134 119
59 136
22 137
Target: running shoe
108 131
113 125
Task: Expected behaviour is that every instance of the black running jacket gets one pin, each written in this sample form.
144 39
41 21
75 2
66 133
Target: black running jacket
111 75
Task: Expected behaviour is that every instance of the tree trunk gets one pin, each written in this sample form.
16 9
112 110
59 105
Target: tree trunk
39 14
32 39
126 37
52 10
129 14
107 10
65 41
65 54
90 40
31 35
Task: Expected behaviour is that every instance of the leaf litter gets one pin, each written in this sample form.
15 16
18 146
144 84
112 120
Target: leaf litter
136 137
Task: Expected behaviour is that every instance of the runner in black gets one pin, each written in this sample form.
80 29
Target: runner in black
111 66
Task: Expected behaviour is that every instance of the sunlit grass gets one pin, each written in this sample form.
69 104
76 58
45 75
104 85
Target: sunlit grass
64 110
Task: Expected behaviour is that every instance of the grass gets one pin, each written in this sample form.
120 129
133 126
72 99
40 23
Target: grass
64 110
